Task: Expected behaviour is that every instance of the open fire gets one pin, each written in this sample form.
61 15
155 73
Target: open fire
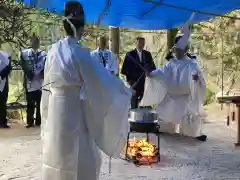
141 151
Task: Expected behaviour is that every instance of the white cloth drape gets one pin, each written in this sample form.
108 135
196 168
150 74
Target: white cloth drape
86 109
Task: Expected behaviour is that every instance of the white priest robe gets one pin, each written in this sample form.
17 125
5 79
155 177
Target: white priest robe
34 61
109 57
84 108
178 97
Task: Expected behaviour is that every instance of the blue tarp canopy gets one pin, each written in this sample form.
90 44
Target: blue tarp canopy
143 14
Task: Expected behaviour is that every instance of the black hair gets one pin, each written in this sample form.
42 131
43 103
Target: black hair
169 56
34 39
177 39
34 36
102 37
75 10
140 38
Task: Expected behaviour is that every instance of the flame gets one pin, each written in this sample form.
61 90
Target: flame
142 150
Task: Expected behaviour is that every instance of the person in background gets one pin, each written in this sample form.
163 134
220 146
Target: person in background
135 64
5 69
32 61
85 108
106 57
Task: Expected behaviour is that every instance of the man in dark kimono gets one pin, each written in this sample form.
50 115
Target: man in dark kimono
5 69
135 64
32 62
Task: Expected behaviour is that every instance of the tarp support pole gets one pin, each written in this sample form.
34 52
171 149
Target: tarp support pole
114 40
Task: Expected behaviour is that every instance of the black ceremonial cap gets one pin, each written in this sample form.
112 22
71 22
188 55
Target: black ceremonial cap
74 8
177 39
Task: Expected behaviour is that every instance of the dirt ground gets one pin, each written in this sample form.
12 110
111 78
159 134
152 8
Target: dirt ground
181 158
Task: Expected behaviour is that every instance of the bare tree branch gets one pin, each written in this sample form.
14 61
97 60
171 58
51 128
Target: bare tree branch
15 23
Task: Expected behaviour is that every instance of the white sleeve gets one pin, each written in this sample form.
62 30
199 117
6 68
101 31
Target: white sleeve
200 73
94 56
159 73
114 63
2 61
44 53
92 53
106 106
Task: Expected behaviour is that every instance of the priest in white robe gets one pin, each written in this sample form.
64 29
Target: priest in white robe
32 61
84 107
178 90
104 56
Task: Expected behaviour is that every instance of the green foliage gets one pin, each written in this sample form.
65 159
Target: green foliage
219 41
16 91
15 22
217 44
210 95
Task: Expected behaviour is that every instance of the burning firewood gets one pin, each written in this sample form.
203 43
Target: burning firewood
142 151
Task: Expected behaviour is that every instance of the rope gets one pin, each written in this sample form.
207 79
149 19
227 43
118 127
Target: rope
189 9
104 11
41 88
152 8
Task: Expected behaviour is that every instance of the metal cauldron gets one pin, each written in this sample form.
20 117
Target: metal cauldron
143 120
143 115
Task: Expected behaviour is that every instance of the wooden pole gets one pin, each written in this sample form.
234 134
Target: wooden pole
114 42
238 125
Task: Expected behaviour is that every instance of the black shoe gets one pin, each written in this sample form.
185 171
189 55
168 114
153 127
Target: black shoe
5 126
29 126
38 125
202 138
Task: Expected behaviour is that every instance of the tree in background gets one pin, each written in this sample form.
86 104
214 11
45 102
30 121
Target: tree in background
15 26
217 42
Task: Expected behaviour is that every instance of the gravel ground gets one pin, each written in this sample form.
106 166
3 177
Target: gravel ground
181 158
